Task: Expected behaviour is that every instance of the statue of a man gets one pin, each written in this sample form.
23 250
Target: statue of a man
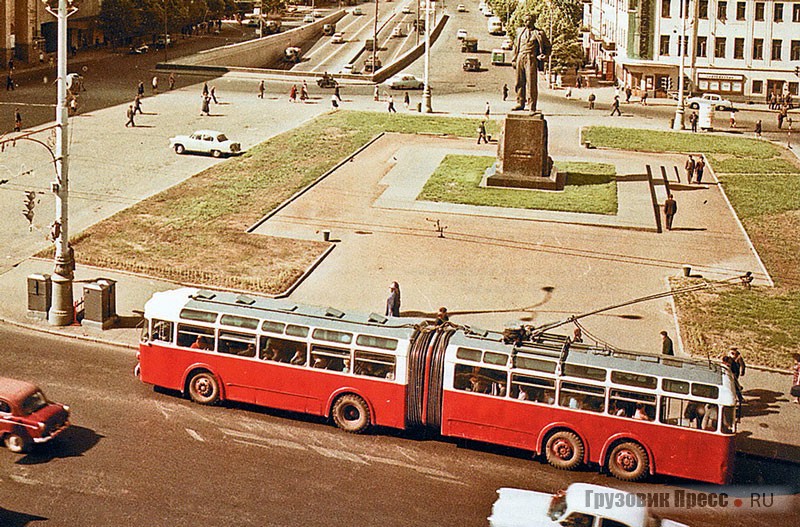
531 47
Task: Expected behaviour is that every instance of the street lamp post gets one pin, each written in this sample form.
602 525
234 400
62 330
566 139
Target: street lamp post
550 55
62 311
165 31
677 122
426 92
375 38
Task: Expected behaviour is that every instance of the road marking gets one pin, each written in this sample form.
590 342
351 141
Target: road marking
162 408
195 435
244 437
338 454
24 480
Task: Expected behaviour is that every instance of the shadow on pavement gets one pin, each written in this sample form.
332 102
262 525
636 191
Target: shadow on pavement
73 442
762 402
10 518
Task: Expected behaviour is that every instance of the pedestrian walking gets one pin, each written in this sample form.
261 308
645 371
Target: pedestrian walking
488 110
206 105
758 129
9 81
51 62
789 133
794 391
261 89
73 105
615 107
339 96
738 360
213 94
578 82
11 64
334 102
393 302
205 89
130 116
783 113
666 344
406 100
628 93
17 120
390 107
482 133
733 119
569 93
293 93
505 91
377 93
155 84
304 91
41 57
693 121
140 88
644 98
699 167
591 99
171 81
689 166
670 208
137 104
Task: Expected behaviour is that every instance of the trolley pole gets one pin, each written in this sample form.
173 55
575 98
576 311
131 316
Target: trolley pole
426 92
62 311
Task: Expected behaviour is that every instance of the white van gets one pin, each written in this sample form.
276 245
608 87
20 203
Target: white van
495 26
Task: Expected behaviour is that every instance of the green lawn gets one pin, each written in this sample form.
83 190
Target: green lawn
590 187
194 232
762 181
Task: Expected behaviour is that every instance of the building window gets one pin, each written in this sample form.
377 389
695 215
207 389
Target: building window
759 11
663 48
738 48
719 47
758 86
741 8
793 88
795 50
796 13
776 49
702 43
722 10
777 14
702 9
665 8
758 49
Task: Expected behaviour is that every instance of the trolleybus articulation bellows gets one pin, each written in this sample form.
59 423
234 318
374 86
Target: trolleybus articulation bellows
573 403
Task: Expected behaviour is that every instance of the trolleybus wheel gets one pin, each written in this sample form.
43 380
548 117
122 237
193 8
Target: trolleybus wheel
628 462
351 414
564 450
16 443
203 388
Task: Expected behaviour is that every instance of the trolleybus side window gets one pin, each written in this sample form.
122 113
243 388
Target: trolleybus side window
527 363
705 390
374 364
195 337
199 316
689 414
480 380
624 403
239 322
283 350
498 359
582 397
670 385
377 342
327 358
297 331
585 372
272 327
162 330
240 344
332 336
468 354
534 389
634 379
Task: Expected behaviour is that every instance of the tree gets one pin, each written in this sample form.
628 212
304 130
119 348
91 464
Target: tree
118 20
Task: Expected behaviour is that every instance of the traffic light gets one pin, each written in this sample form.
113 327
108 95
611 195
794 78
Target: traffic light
30 204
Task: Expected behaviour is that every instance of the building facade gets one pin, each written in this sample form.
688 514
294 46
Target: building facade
741 49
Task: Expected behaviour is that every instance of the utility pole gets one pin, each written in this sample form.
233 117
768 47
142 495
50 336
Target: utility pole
375 39
165 31
261 18
426 91
550 55
677 122
62 312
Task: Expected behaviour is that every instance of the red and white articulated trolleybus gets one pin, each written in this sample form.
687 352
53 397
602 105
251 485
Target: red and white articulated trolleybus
573 403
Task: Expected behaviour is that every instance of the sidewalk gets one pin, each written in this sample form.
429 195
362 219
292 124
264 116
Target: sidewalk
385 236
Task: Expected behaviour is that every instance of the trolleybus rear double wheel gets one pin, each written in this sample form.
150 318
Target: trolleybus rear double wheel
204 388
351 413
564 450
628 461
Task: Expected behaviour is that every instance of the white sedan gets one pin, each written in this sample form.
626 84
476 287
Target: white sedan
507 44
461 8
405 82
406 10
461 34
337 38
205 142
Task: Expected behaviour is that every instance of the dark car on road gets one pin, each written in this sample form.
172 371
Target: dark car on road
27 417
472 64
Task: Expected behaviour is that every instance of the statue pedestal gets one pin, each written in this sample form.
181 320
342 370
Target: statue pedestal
522 159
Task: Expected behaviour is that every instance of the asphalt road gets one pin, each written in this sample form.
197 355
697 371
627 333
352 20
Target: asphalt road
135 456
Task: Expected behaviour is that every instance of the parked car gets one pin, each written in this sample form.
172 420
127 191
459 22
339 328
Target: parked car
469 45
327 81
351 68
397 32
461 34
714 99
337 38
292 54
461 8
406 10
368 66
308 18
205 142
403 81
329 29
357 11
139 50
27 417
316 14
472 64
507 44
163 40
573 506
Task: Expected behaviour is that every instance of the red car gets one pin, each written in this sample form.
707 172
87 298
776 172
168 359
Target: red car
27 417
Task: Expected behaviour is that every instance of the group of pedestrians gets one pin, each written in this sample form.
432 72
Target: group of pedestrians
695 169
136 106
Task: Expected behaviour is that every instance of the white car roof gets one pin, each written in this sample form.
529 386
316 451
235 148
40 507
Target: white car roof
577 497
207 132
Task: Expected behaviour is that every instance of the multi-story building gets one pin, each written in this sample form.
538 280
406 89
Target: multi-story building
742 49
26 28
